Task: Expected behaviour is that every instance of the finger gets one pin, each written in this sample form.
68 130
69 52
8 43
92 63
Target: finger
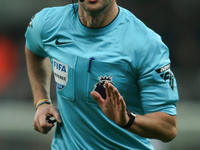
54 112
45 128
112 90
97 97
122 104
42 126
36 122
108 92
114 97
117 96
35 125
43 122
36 128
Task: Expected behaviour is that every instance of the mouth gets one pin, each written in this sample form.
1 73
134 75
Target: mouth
92 1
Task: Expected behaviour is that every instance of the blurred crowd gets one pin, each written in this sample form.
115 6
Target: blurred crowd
177 21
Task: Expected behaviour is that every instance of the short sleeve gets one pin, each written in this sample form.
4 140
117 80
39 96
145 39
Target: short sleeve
33 35
158 87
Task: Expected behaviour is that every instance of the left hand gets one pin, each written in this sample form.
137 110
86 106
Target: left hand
113 106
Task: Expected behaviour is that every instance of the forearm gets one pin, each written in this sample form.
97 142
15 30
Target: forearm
39 72
157 125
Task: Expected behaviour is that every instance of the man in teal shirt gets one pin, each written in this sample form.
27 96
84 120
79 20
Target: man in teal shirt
115 88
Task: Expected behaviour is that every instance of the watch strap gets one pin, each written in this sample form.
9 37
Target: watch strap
131 120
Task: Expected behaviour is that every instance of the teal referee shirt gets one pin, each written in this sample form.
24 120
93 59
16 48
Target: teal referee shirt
125 53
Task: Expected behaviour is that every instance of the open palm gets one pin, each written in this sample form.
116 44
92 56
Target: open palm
113 106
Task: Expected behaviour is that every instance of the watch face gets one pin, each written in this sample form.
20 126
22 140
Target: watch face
133 114
130 113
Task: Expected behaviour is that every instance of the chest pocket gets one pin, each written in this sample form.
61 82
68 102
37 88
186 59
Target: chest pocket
115 73
64 72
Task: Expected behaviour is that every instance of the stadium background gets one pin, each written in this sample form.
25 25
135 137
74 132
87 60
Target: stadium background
177 21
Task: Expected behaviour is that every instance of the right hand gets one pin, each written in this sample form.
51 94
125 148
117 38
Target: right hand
43 112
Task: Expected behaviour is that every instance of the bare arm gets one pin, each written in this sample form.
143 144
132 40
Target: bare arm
39 72
156 125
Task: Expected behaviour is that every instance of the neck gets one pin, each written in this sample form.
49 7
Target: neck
98 20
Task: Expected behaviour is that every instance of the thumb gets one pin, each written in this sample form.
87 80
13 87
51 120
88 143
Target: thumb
56 115
97 97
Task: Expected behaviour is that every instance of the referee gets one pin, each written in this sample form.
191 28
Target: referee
115 88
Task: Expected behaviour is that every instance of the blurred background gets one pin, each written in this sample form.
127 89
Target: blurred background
178 23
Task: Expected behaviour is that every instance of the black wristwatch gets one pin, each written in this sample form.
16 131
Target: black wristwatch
132 118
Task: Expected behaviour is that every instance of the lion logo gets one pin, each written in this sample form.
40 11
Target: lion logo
100 86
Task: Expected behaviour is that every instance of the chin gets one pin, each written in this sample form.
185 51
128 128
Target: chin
95 9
